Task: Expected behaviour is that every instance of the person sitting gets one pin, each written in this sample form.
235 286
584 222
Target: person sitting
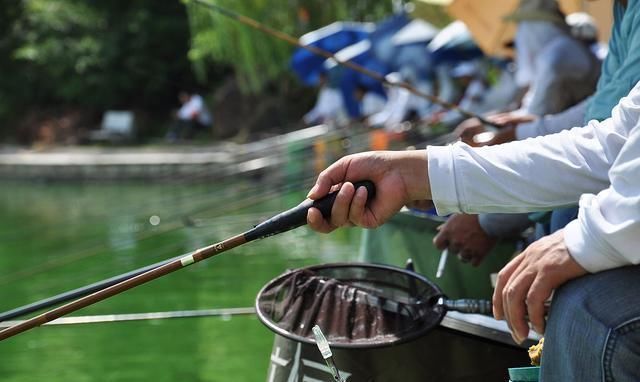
396 108
192 116
584 28
470 78
559 71
370 102
620 70
592 331
329 107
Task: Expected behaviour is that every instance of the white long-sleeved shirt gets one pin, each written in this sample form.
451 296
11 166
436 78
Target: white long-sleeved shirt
599 164
195 108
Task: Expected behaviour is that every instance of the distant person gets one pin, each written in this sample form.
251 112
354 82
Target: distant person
584 28
329 107
560 71
192 116
370 102
469 77
397 107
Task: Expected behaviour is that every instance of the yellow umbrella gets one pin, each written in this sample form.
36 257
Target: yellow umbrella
484 18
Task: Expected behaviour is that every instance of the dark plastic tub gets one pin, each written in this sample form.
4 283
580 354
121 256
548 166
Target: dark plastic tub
453 347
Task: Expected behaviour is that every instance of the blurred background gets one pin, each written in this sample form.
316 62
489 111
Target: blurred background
64 63
135 131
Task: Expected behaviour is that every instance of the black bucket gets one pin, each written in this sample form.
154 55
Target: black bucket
382 325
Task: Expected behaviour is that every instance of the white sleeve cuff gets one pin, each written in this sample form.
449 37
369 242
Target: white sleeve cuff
585 246
442 179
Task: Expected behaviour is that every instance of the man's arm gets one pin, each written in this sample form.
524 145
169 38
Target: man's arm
530 175
606 233
534 174
604 236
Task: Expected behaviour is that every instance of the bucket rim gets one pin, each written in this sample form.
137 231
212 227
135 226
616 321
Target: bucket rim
294 337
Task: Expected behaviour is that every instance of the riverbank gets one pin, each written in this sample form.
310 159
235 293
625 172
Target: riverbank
155 162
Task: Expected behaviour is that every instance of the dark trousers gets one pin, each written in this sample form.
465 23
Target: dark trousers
184 129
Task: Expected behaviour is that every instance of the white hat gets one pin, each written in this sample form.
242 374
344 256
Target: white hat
583 26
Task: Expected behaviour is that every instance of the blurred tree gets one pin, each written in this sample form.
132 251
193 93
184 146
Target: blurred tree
94 54
10 11
101 52
255 57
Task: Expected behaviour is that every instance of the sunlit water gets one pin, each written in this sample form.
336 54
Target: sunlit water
56 237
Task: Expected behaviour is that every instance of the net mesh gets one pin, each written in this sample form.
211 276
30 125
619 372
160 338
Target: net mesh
351 304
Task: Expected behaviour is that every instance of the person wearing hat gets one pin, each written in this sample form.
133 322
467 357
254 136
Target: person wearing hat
584 28
559 72
470 76
557 68
620 71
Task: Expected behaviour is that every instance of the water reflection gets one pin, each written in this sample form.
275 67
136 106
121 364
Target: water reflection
63 236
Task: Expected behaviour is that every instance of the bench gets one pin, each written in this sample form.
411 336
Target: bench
117 126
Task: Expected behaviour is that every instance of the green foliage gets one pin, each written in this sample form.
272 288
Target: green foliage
256 57
96 54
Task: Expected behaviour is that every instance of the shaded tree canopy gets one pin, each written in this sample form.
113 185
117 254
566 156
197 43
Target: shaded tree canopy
92 53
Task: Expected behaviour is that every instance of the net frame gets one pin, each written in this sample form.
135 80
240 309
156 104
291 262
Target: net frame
424 291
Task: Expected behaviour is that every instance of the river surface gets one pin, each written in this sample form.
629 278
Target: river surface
57 237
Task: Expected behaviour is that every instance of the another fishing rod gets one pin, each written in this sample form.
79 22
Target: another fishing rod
127 317
280 223
349 64
80 292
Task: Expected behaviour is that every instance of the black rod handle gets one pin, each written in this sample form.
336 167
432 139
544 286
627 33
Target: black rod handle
297 216
472 306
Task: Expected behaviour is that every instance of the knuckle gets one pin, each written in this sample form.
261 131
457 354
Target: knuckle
534 297
502 277
511 293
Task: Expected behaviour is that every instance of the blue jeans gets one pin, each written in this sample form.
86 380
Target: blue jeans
550 223
593 330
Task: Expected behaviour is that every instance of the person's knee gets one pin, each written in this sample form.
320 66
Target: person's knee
621 358
593 329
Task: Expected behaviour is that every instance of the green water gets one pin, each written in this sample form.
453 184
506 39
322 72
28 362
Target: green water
56 237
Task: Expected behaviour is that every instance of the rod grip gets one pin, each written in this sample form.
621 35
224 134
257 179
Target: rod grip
469 306
297 216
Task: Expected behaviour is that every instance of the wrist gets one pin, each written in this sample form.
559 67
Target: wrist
414 171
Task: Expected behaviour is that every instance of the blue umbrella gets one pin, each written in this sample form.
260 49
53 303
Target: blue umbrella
383 46
453 44
348 79
400 43
417 31
331 38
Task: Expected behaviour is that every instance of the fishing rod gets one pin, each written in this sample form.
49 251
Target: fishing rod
347 63
80 292
283 222
125 317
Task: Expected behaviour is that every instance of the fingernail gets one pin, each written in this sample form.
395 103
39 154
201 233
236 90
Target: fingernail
312 191
518 338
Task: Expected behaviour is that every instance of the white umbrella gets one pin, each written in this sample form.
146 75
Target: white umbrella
417 31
